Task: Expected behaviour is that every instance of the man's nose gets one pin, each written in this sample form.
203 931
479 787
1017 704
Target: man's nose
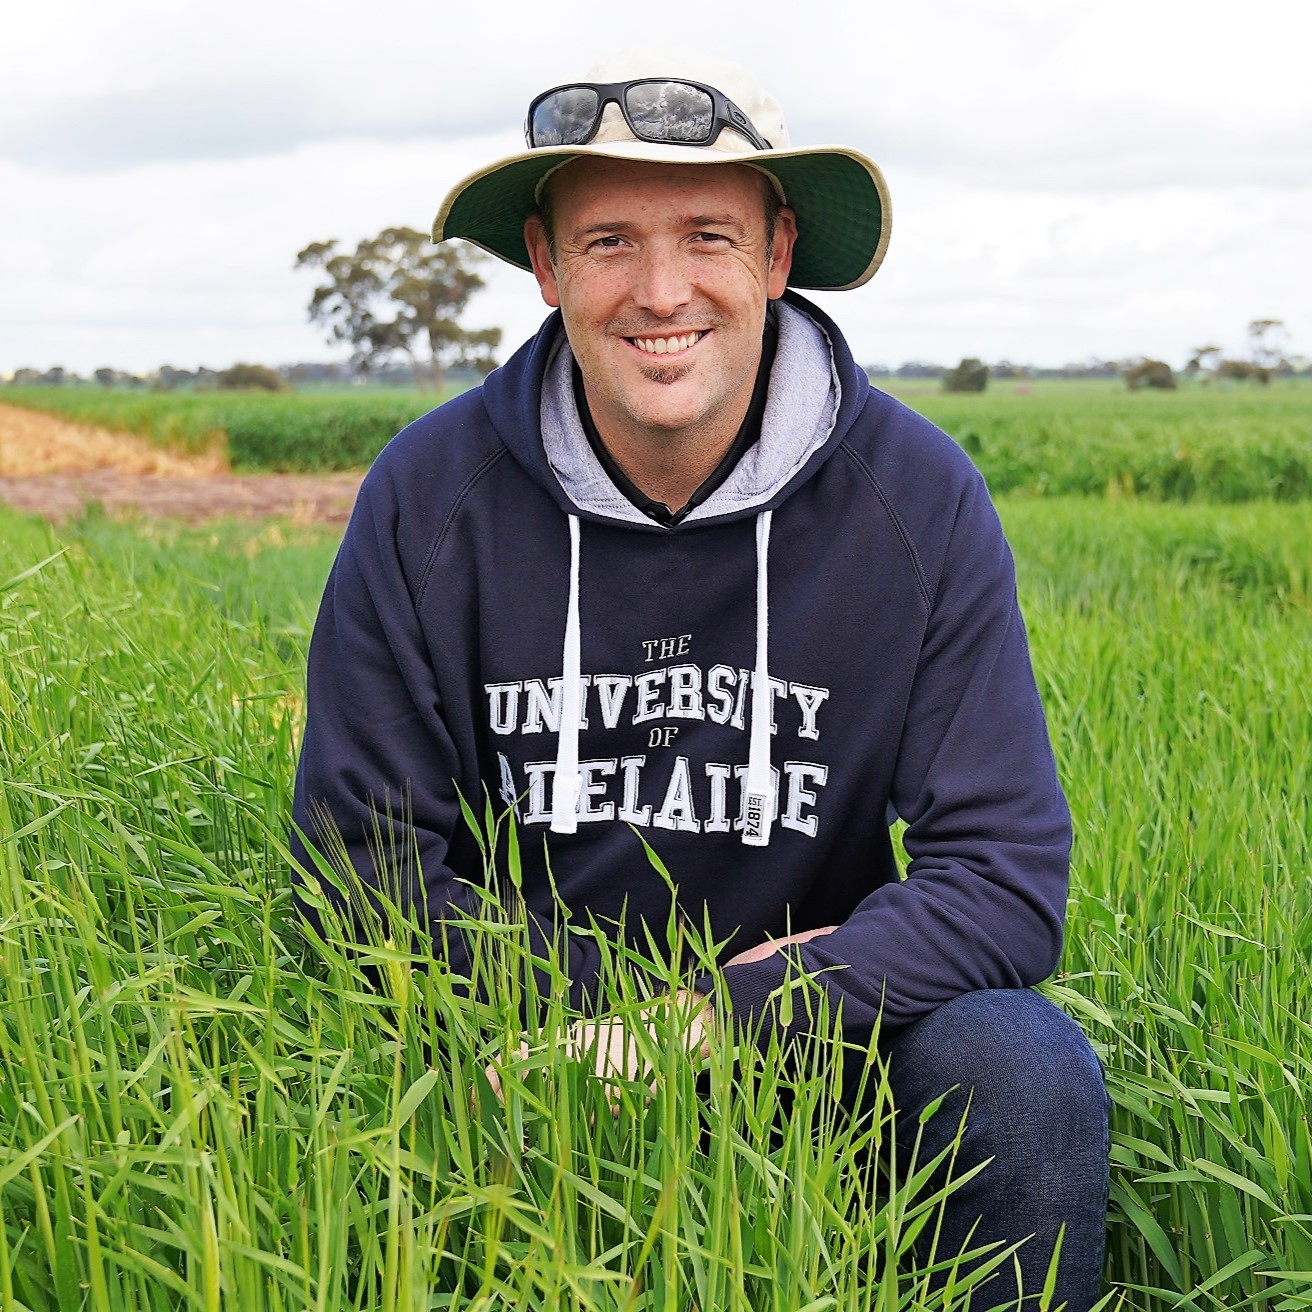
664 286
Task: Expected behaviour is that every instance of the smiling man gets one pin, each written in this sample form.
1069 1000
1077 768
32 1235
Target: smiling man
677 568
663 274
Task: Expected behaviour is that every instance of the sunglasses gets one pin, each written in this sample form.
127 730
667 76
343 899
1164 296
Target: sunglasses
660 109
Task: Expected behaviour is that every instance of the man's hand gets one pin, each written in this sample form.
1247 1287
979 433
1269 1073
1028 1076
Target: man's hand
773 945
613 1050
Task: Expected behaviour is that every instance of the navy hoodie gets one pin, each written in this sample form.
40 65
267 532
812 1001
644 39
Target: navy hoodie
830 641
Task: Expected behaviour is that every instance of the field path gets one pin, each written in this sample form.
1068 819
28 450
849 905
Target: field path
51 467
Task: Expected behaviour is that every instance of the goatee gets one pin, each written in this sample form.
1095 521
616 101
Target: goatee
666 373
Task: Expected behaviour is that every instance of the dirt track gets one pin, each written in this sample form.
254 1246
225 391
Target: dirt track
54 468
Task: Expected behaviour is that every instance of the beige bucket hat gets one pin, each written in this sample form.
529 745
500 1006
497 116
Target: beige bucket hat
838 194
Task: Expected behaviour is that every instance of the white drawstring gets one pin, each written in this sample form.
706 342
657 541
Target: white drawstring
565 783
758 793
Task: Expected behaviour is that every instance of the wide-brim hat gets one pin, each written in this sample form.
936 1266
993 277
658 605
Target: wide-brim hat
838 194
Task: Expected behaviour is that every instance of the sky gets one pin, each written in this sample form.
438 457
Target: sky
1132 177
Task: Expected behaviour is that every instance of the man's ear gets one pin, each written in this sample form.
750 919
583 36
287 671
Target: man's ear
539 254
781 260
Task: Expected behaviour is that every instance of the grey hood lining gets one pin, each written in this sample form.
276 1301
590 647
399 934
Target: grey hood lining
800 412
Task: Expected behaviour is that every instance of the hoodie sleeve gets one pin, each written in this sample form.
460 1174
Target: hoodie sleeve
376 784
988 831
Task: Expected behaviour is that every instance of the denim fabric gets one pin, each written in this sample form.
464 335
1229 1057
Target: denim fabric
1038 1106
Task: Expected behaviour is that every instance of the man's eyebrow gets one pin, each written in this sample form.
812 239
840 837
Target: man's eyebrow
601 230
713 221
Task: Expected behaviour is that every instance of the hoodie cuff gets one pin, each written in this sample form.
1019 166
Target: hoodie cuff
753 1013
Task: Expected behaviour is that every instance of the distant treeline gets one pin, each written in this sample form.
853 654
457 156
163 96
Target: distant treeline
237 377
1225 370
317 375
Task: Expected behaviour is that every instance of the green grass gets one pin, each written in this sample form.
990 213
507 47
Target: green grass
1175 648
198 1109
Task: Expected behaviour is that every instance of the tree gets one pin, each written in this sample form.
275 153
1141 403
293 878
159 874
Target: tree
251 377
396 290
167 378
1148 373
1198 358
1242 371
1265 353
105 377
919 369
970 375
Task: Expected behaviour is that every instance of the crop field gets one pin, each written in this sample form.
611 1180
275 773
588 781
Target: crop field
1193 444
1049 439
289 432
199 1110
201 1107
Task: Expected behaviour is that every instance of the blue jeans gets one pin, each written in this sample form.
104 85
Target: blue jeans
1038 1106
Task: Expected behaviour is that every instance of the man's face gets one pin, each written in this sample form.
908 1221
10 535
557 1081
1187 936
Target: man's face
662 277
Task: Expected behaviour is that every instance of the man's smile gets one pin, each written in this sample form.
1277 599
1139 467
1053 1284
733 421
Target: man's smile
674 345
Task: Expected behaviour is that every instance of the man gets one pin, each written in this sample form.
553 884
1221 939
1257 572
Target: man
678 568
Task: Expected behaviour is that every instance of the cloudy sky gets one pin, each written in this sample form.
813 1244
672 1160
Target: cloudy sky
1121 178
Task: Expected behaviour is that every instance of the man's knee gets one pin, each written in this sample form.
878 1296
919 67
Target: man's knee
1023 1067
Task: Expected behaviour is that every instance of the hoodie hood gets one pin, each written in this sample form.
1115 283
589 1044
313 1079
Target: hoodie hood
816 392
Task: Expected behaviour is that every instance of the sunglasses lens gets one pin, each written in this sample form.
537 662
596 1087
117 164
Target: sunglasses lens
670 111
564 118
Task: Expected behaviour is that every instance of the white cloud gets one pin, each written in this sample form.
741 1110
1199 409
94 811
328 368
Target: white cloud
1128 177
1061 276
201 254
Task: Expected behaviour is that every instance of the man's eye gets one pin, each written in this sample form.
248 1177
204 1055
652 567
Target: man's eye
609 243
711 236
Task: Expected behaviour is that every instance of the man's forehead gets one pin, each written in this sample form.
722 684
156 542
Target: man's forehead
591 180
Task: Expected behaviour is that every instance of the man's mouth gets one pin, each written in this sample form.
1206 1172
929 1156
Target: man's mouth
668 345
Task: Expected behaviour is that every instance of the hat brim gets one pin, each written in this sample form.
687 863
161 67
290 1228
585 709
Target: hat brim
839 196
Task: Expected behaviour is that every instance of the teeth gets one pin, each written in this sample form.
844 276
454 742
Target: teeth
666 345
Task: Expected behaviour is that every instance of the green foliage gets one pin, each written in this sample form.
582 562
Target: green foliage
251 377
1267 339
397 289
199 1110
1149 373
1244 371
970 375
1174 647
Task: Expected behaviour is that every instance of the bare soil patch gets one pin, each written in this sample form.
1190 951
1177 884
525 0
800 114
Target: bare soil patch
54 468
